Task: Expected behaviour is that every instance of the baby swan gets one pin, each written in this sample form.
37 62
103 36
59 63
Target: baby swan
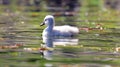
57 31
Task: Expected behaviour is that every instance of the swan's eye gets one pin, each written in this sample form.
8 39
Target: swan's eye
45 19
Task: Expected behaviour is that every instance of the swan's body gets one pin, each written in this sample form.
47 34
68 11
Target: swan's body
52 31
57 31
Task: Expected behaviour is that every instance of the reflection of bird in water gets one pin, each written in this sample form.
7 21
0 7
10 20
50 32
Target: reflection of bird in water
52 31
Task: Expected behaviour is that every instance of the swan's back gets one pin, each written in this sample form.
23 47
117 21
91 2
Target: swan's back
65 30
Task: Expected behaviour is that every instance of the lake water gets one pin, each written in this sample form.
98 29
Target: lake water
94 48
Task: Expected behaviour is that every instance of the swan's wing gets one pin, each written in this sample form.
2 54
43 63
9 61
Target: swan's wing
65 30
73 29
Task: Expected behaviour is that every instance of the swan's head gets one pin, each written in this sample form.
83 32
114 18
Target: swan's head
48 20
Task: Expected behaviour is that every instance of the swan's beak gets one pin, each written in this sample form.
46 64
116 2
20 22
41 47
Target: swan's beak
42 24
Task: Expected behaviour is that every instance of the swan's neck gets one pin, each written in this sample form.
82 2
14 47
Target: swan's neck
50 28
49 32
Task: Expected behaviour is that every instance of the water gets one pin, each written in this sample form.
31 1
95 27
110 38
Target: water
95 48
